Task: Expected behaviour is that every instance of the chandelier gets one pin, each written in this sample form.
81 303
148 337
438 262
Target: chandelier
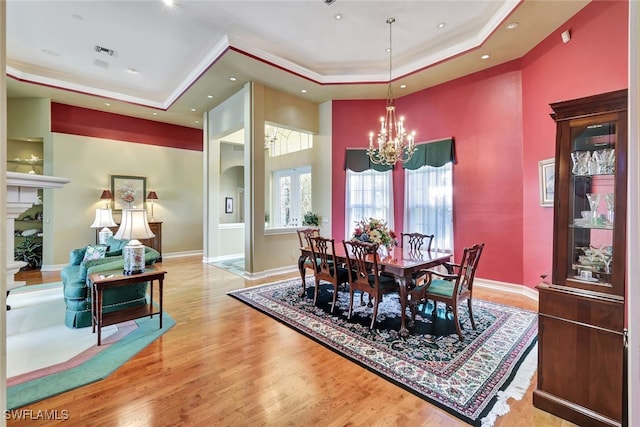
393 141
270 139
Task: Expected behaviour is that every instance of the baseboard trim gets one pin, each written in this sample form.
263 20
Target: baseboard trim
507 287
180 254
53 267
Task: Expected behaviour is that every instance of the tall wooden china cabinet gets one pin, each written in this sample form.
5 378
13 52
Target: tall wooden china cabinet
581 313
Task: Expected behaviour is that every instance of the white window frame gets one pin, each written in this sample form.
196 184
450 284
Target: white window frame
295 203
428 204
374 201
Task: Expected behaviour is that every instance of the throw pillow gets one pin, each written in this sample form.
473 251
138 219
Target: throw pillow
114 253
116 244
94 252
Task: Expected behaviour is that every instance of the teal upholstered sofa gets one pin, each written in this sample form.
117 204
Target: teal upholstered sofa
75 283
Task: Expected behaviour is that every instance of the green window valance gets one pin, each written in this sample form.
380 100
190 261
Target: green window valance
357 160
436 154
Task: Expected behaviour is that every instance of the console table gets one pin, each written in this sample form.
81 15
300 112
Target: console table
112 279
154 242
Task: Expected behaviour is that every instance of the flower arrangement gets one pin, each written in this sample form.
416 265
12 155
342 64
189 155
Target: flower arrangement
374 231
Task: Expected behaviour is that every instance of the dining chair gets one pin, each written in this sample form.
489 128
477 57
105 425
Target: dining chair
362 262
451 289
304 234
324 269
416 242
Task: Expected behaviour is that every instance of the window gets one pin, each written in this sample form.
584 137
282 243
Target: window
282 141
369 194
292 196
429 204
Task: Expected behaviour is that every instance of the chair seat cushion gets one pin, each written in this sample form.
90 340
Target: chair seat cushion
386 282
441 287
343 275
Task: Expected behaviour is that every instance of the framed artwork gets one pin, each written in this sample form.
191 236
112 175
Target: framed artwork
228 205
547 172
128 191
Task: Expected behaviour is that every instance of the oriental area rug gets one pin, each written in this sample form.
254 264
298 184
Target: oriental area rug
46 358
470 379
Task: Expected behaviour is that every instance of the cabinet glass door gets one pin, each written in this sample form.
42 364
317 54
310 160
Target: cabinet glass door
592 203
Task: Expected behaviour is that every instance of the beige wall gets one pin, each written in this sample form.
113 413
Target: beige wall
255 105
176 175
28 118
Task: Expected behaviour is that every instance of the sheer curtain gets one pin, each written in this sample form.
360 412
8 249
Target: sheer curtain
369 194
428 204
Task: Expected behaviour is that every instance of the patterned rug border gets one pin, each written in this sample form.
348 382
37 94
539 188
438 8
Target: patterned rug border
513 385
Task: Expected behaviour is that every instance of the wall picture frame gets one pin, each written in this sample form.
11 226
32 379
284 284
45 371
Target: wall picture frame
228 205
547 172
128 191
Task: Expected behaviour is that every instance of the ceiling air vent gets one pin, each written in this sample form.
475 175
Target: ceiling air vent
109 52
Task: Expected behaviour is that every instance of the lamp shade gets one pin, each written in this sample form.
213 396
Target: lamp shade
106 195
152 196
104 218
134 225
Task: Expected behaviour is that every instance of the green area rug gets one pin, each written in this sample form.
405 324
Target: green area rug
470 379
90 365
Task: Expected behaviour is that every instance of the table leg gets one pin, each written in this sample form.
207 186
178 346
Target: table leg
402 283
160 289
151 297
99 314
93 308
302 269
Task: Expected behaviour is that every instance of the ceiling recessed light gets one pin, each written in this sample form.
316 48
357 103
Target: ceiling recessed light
233 79
512 26
107 104
337 16
193 109
168 2
303 90
485 56
442 25
197 121
155 114
403 86
210 96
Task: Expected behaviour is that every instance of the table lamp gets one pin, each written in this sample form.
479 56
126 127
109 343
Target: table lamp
152 196
134 226
104 218
107 196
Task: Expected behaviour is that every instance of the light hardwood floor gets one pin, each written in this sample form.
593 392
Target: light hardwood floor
226 364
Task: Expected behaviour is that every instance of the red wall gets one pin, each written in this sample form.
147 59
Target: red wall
500 121
594 61
100 124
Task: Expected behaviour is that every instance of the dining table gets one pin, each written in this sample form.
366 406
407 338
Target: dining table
400 262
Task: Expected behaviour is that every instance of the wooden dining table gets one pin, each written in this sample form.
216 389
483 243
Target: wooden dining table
400 262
